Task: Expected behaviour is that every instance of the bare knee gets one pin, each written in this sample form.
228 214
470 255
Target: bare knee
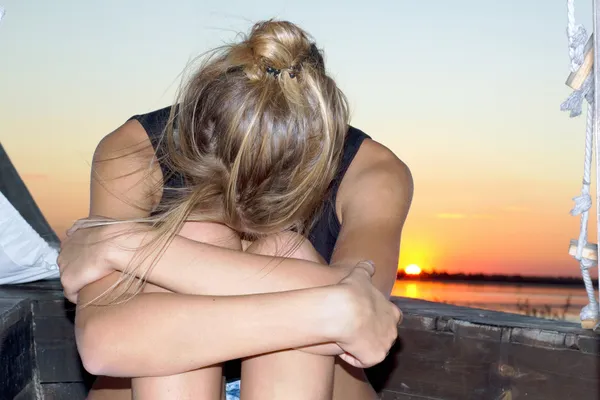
212 233
286 244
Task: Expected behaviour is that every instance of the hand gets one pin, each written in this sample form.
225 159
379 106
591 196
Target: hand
85 256
342 270
370 321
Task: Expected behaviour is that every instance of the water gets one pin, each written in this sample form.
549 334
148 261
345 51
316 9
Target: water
555 302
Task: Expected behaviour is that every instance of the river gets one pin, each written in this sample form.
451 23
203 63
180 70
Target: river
557 302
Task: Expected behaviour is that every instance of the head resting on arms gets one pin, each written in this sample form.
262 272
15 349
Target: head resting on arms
260 127
257 134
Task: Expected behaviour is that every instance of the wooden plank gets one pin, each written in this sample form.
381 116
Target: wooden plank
56 351
436 364
53 307
450 352
28 393
62 391
590 250
439 365
16 347
538 373
41 290
576 79
390 395
441 313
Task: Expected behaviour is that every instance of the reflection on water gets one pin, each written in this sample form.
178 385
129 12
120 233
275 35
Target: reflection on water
499 297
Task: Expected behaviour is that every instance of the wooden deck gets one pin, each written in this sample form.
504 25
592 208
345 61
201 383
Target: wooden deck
444 352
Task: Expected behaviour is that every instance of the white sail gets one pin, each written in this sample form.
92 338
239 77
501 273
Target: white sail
24 255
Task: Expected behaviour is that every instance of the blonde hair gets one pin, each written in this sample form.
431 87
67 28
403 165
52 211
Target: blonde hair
256 134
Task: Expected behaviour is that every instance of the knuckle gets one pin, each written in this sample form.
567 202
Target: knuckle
65 280
368 266
397 312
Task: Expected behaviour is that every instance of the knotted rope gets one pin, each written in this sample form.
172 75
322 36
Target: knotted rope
577 36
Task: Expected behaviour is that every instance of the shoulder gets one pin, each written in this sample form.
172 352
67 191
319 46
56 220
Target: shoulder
374 160
124 166
376 177
154 122
129 141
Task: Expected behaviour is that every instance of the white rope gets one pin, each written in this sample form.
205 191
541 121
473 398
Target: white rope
577 36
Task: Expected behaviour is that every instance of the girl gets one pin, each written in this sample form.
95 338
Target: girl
246 213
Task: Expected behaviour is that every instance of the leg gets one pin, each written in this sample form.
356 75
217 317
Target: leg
206 383
289 374
109 388
350 383
201 384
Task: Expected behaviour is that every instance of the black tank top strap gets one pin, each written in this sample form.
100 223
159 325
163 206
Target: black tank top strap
326 228
155 124
354 139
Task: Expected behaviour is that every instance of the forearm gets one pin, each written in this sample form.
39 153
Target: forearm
157 334
191 267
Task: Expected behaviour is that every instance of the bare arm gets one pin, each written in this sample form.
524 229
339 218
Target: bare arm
191 267
374 200
161 334
158 334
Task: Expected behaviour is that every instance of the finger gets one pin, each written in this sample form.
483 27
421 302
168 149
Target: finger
368 266
77 225
398 313
350 359
74 228
362 271
72 297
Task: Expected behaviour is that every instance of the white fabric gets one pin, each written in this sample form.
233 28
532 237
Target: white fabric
24 255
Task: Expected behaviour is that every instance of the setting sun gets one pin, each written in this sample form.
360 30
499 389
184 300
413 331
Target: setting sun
412 269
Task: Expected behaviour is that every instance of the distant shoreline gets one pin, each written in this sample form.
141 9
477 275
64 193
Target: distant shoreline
494 279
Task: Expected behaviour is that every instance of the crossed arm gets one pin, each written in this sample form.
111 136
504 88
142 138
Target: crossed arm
170 323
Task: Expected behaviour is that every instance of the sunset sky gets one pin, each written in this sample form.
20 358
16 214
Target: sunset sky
467 93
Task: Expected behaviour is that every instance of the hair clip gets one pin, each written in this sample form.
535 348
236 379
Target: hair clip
293 71
273 71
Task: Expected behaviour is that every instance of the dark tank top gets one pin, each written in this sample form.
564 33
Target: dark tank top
326 229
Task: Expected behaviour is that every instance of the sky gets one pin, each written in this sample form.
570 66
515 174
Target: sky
466 93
